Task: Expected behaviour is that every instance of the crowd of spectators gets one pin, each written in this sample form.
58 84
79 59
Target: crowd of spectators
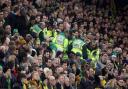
27 59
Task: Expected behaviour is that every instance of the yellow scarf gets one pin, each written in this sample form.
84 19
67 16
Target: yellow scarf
24 86
45 87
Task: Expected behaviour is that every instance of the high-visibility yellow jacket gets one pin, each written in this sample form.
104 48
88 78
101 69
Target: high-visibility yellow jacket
49 33
93 55
61 42
77 46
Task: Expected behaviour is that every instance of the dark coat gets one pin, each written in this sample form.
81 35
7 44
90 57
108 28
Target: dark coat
58 86
86 84
17 22
67 87
4 83
50 87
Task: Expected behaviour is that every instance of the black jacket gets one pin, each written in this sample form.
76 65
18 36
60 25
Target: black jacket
58 86
17 22
67 87
86 84
2 81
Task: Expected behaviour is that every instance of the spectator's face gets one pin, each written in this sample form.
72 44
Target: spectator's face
65 12
126 68
78 15
91 72
47 55
11 58
40 60
32 22
1 71
113 33
61 55
76 34
75 26
114 59
43 25
1 24
7 41
66 81
34 12
124 53
127 82
104 58
109 51
61 27
77 57
125 40
59 70
91 24
90 18
52 81
109 66
105 36
36 76
49 63
8 29
123 71
74 67
50 27
115 73
5 14
122 46
38 19
121 83
8 73
1 15
90 36
49 73
30 12
72 78
45 19
56 62
72 55
97 36
60 15
93 45
8 2
25 2
66 26
67 19
64 66
61 79
24 80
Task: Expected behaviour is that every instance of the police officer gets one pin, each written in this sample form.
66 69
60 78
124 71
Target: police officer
93 52
77 45
47 33
60 41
